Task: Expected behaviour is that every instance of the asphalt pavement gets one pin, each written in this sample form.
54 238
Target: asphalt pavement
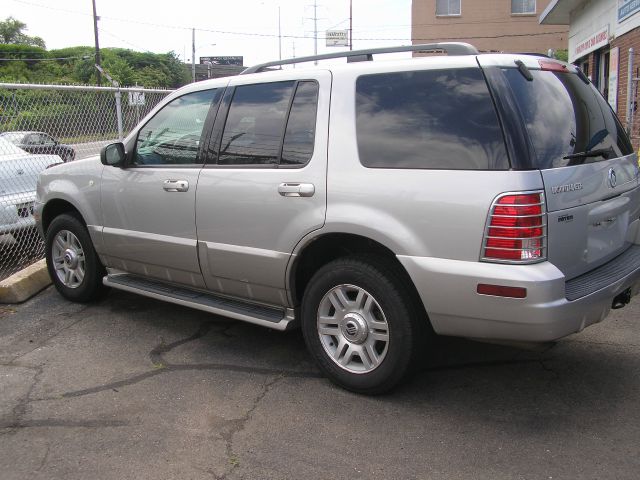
133 388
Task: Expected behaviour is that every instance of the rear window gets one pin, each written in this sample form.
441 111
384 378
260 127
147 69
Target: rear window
438 119
565 116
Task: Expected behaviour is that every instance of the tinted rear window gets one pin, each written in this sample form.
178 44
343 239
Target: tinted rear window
440 119
564 116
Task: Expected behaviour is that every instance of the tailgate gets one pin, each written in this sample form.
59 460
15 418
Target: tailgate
585 158
593 213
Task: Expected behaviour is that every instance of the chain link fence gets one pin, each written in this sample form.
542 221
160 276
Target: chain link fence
41 125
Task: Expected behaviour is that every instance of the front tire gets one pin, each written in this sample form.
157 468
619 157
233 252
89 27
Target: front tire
361 323
72 261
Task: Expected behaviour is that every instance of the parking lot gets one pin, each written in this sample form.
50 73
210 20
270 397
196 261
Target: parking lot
135 388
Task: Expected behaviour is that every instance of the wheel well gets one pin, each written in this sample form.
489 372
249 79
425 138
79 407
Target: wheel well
57 207
330 247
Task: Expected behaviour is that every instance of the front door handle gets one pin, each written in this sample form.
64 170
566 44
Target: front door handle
296 189
175 185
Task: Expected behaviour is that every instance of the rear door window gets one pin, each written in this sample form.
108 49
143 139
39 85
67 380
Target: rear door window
301 126
255 124
564 116
431 119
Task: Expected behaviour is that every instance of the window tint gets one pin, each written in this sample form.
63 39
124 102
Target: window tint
428 119
523 6
447 7
255 124
172 136
301 126
563 115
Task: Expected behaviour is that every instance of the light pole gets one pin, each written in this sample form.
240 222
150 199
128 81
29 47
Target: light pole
350 24
193 54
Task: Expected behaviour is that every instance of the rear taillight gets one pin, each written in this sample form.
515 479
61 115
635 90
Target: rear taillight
516 230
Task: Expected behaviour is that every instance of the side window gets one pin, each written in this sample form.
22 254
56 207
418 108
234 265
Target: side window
172 136
255 124
47 140
441 119
447 7
523 7
301 126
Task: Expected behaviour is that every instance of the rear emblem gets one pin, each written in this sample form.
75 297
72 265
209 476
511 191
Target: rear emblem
571 187
612 178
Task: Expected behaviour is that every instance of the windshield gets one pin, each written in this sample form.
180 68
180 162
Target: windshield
8 148
568 121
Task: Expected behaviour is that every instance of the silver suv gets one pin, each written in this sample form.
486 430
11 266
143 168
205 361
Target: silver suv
374 203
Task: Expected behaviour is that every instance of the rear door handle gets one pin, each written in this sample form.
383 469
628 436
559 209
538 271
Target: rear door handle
296 189
175 185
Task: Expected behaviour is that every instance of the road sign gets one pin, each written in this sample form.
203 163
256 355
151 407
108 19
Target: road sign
136 98
337 38
223 60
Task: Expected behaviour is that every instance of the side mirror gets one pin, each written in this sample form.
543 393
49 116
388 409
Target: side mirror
113 155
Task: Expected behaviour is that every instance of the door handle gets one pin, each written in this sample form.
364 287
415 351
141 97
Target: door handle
175 185
296 189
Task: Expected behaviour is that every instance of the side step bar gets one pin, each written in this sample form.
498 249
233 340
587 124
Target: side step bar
277 319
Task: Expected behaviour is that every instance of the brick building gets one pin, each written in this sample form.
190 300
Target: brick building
490 25
600 35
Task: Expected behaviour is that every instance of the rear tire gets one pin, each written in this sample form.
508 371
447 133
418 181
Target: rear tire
361 323
73 264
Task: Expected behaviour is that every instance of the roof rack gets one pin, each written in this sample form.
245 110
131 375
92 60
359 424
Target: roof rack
451 48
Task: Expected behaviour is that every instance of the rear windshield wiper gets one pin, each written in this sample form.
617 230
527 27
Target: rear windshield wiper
589 153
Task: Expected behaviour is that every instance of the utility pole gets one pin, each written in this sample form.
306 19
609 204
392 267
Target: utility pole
95 32
350 24
279 38
193 54
315 30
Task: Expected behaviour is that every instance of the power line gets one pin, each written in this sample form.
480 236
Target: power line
306 37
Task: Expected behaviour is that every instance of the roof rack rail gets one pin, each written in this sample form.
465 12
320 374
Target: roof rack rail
451 48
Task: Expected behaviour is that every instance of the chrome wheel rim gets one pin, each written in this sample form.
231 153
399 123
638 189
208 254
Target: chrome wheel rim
353 329
68 259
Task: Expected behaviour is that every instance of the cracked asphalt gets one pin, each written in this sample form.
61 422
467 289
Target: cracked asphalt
133 388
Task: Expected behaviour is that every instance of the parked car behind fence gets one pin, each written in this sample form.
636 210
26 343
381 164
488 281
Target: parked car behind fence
19 242
40 142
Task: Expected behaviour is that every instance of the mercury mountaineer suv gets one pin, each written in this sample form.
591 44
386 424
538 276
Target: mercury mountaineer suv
375 204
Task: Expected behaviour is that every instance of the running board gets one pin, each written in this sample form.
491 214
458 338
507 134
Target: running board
270 317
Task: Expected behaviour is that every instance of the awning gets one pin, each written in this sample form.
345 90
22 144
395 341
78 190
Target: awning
559 11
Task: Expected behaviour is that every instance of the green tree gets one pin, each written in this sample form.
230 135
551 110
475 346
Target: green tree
11 32
562 55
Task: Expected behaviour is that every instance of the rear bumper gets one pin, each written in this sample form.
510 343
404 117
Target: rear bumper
16 212
448 291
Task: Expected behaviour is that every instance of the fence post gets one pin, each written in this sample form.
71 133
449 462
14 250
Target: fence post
119 113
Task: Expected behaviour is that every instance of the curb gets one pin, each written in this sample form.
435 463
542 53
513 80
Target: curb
25 284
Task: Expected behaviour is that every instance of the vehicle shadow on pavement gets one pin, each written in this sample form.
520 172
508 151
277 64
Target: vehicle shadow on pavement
536 388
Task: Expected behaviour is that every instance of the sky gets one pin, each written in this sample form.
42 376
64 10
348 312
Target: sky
247 28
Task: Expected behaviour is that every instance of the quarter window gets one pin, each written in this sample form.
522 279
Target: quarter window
440 119
447 7
172 136
523 6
